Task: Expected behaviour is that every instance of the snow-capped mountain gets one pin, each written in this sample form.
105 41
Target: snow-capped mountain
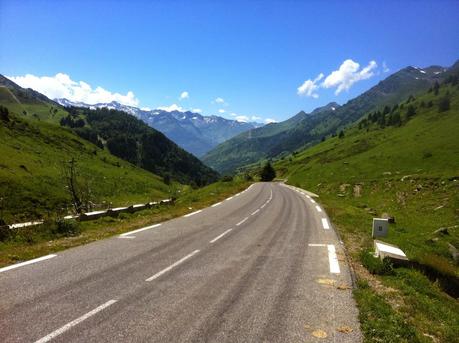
194 132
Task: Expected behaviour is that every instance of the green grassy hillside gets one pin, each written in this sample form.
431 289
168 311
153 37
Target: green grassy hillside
132 140
403 162
285 137
32 155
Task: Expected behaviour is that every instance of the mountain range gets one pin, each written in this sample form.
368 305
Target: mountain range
308 129
190 130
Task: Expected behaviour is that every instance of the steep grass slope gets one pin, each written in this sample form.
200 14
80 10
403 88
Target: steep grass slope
32 156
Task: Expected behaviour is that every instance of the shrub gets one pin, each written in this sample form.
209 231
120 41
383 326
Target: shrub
4 114
5 231
443 104
66 228
227 178
374 265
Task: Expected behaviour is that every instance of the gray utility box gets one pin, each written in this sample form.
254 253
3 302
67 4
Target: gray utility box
380 227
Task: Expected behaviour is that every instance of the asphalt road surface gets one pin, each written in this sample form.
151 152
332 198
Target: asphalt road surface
262 266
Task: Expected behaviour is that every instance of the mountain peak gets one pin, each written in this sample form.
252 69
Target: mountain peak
190 130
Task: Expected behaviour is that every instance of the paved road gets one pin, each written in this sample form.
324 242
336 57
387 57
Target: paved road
259 267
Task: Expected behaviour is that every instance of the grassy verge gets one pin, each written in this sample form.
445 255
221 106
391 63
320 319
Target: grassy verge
398 304
40 240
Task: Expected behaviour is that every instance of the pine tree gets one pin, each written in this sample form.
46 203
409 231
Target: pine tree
411 111
443 104
436 87
267 173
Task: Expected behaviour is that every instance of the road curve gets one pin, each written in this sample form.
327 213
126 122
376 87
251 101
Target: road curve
262 266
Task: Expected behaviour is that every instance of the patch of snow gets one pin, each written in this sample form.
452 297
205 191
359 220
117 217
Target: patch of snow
422 71
333 108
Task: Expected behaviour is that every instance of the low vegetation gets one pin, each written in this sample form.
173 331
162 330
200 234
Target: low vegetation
401 162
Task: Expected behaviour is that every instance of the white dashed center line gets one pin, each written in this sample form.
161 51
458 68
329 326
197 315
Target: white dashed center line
242 221
318 209
172 266
220 236
325 223
75 322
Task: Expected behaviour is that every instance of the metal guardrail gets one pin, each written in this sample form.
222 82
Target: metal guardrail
112 212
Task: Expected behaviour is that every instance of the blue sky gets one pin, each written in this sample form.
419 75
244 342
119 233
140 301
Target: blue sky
252 54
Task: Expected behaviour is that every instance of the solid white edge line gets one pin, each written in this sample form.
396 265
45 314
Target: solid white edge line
75 322
21 264
139 230
333 259
325 224
192 213
230 198
165 270
242 221
220 236
318 209
255 212
217 204
127 237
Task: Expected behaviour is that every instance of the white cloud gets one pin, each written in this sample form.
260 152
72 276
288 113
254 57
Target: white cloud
145 109
385 68
196 110
184 95
348 73
255 118
309 87
221 111
219 101
62 86
243 119
173 107
270 120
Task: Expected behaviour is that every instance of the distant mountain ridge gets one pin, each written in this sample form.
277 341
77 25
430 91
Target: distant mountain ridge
192 131
308 129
